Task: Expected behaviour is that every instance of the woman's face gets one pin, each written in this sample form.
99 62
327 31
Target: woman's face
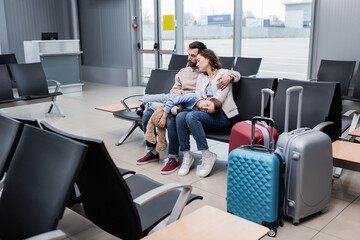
202 63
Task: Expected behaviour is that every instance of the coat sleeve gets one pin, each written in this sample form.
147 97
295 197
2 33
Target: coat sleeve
235 75
221 94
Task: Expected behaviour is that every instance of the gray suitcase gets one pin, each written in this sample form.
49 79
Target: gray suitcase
308 170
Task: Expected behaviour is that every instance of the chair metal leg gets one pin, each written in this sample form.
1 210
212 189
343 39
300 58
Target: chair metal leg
57 108
337 172
134 125
51 107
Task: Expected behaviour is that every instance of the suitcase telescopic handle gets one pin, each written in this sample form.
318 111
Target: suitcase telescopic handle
271 94
270 122
287 106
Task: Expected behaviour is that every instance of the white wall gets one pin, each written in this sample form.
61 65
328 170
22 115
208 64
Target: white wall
26 20
294 19
3 29
336 32
106 40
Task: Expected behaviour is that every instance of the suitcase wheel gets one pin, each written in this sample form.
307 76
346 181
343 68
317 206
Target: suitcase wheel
324 210
272 232
281 222
296 221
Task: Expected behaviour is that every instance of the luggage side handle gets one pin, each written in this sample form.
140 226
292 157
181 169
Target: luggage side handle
287 106
271 94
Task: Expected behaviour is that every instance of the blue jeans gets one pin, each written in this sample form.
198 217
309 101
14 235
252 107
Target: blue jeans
197 122
173 150
145 119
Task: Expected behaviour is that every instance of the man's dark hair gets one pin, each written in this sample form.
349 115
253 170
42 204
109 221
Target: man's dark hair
199 45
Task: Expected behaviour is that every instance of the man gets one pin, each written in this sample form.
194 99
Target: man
185 82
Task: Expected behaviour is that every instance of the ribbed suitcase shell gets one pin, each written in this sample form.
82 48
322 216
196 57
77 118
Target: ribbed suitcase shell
241 135
308 173
253 185
241 131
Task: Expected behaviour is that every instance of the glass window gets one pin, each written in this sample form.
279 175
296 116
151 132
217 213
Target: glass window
147 20
210 21
167 40
146 57
278 31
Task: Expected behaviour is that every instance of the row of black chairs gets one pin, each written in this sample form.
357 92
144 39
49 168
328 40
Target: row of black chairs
30 81
321 102
329 71
41 168
32 86
245 66
161 81
342 72
8 59
338 71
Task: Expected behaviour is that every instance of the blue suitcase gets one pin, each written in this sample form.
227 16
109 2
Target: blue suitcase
255 182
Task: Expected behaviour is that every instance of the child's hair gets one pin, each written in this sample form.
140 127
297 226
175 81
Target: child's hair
217 106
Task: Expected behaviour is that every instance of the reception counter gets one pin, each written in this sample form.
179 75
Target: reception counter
60 59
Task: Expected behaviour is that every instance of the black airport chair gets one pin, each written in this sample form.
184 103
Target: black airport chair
247 66
160 81
32 84
227 62
38 183
178 62
127 208
336 71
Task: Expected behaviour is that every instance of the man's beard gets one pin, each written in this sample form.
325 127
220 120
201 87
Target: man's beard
191 64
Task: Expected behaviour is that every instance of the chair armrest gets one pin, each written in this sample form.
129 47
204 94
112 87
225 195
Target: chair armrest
354 99
2 184
355 119
145 76
351 112
322 125
180 202
313 80
56 234
122 101
58 85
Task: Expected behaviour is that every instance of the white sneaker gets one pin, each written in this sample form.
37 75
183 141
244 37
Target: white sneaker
185 166
207 165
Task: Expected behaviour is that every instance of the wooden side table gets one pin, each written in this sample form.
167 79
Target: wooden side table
346 155
355 133
211 224
116 107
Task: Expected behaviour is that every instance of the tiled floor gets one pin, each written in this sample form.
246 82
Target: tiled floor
342 221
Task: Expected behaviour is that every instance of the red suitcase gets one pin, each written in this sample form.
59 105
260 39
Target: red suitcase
241 131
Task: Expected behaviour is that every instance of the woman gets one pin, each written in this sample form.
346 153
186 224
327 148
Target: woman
197 122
